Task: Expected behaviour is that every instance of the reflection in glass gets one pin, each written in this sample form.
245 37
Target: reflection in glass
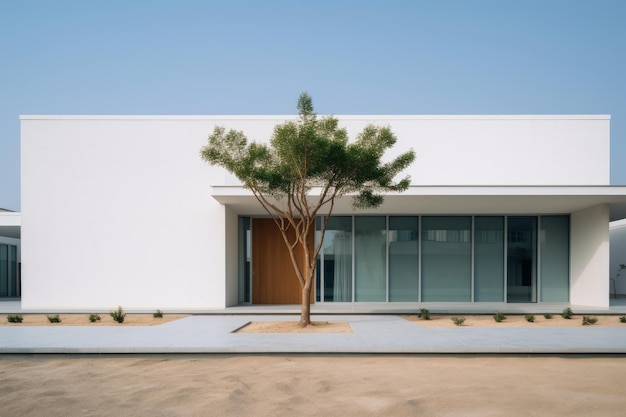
4 270
13 271
446 258
403 258
522 260
370 246
337 268
554 258
489 259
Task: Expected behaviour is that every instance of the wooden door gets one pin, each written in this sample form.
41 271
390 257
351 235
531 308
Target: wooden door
274 280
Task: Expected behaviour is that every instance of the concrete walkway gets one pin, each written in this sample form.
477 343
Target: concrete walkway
372 334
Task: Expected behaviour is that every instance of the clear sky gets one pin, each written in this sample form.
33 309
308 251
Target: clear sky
353 57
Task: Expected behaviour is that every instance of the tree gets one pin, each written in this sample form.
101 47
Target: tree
307 166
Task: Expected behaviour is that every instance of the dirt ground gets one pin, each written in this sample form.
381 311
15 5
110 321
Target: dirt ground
83 320
514 321
292 327
434 321
318 326
343 386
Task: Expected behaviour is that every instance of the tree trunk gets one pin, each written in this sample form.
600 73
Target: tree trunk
305 315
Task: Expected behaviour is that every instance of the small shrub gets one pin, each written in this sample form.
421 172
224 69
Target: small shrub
54 319
424 314
567 313
622 319
15 318
118 315
589 320
458 320
94 317
530 318
499 316
547 316
157 314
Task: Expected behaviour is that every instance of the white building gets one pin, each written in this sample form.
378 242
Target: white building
121 210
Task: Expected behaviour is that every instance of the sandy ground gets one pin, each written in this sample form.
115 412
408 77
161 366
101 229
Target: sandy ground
513 321
83 320
318 326
292 327
314 386
434 321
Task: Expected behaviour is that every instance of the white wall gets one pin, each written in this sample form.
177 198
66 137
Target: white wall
481 150
617 233
589 258
119 212
503 150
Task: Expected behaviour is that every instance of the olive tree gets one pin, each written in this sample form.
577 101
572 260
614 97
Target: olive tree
307 165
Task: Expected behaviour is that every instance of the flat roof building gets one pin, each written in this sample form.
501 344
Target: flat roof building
121 210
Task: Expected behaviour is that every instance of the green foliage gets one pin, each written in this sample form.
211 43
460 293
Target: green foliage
118 315
157 314
306 166
547 316
499 316
567 313
458 320
15 318
94 317
530 318
424 314
54 319
311 152
622 319
589 320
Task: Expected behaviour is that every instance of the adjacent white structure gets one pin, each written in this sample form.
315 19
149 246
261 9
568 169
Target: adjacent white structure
121 210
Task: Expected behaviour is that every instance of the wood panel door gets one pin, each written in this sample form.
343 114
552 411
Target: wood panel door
274 280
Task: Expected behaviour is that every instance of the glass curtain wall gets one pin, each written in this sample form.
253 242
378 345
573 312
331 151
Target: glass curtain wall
4 270
489 258
403 258
394 258
554 246
9 282
446 258
13 281
370 258
337 261
522 260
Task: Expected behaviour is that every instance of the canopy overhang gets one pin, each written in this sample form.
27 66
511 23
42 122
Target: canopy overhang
10 224
451 200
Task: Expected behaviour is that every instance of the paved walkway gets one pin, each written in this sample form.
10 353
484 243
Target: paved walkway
372 334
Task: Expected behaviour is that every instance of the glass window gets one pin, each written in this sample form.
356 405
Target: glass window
489 259
245 257
522 260
403 258
4 270
446 259
554 258
13 287
370 245
337 264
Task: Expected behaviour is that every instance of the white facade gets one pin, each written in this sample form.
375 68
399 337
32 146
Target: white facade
121 210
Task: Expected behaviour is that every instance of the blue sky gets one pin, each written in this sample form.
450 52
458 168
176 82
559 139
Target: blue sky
353 57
